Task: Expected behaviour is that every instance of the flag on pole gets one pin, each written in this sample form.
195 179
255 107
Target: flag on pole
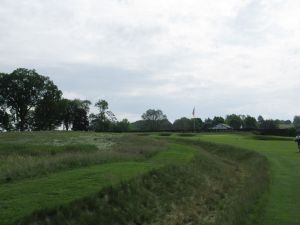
193 113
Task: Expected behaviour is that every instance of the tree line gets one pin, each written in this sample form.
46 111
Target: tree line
30 101
155 120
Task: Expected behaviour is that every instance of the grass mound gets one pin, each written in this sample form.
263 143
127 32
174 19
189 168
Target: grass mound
29 157
222 185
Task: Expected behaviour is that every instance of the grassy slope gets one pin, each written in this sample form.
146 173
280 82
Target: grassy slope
284 199
21 198
36 154
211 189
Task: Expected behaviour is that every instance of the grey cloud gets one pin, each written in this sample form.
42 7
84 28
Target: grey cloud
233 57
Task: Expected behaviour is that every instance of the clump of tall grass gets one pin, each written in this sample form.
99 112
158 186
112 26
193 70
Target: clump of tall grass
20 167
43 150
29 160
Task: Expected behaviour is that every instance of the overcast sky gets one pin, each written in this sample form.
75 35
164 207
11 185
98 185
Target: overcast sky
233 56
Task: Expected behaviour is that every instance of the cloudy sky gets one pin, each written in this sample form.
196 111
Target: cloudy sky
233 56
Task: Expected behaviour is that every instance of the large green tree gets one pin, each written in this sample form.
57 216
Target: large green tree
183 124
80 120
269 124
198 123
23 90
234 121
260 121
120 126
66 107
153 119
74 113
250 122
46 115
217 120
208 123
102 121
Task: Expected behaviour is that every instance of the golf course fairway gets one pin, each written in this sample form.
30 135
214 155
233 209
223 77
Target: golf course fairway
284 195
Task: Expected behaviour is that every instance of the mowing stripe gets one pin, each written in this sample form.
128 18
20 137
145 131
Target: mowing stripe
284 197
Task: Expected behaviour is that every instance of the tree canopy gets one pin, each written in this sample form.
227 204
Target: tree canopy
23 90
153 119
234 121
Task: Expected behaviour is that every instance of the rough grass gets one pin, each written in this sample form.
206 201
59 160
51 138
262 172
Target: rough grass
25 196
215 188
29 156
145 180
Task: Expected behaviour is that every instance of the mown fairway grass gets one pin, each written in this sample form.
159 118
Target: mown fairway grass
284 197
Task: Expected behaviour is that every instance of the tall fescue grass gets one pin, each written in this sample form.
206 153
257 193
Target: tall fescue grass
221 186
28 157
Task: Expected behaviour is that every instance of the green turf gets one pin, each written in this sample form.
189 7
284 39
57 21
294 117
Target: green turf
284 197
36 154
21 198
25 194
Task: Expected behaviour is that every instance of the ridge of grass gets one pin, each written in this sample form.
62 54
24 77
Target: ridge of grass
221 185
29 158
283 202
23 197
250 200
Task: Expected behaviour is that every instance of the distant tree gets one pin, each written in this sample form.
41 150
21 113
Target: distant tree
217 120
153 119
46 115
5 120
165 125
102 106
208 123
260 121
74 113
288 122
296 121
250 122
80 120
102 121
285 122
66 107
120 126
80 112
5 117
269 124
22 90
198 124
234 121
183 124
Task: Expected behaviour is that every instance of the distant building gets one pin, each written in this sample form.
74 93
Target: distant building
221 127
